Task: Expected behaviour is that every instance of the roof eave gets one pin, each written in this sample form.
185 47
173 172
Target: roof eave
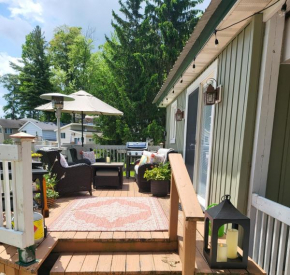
186 58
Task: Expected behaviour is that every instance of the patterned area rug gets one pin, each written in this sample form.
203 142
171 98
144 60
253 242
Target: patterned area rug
112 214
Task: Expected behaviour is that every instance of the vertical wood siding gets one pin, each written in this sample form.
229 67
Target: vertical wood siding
179 140
233 132
278 184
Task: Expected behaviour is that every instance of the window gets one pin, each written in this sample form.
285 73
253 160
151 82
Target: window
0 129
8 131
62 135
173 121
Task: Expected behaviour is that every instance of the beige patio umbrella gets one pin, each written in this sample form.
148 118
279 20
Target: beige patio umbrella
84 103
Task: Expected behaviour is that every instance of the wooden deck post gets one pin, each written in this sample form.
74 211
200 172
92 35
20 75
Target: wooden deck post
173 215
189 246
45 207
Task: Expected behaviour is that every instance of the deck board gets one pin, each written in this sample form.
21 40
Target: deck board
90 263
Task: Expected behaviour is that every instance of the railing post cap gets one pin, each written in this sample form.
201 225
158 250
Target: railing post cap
22 136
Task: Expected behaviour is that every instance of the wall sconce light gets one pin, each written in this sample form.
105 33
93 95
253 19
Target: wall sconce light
212 95
179 115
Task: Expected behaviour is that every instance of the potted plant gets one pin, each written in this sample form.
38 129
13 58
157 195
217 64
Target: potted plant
35 156
159 178
51 194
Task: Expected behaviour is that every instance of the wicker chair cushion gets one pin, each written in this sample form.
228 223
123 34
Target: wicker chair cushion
90 156
63 161
143 160
157 158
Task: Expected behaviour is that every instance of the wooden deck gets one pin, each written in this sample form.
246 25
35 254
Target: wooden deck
113 252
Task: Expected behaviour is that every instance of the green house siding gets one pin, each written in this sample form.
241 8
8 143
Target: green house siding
179 140
278 184
234 121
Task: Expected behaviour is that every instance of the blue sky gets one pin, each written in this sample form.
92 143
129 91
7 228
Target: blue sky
19 17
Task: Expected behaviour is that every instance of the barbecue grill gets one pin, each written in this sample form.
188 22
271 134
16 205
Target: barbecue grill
134 151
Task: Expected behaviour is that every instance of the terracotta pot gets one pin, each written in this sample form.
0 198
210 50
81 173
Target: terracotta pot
160 188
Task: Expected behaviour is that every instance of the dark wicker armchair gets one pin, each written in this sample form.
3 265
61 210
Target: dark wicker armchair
74 157
71 179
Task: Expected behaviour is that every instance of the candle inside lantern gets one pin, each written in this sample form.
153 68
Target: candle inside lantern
232 243
108 159
222 252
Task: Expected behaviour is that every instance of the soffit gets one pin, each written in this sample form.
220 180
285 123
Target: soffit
240 10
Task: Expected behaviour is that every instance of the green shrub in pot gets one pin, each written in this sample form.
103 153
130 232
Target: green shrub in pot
159 177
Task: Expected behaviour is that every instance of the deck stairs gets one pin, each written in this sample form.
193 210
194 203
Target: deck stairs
117 256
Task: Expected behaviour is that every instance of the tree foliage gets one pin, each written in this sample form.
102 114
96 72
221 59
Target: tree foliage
70 54
34 73
11 109
138 58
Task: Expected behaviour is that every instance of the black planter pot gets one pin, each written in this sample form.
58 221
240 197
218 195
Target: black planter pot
160 188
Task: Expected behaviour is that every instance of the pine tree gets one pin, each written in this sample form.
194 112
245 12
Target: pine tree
34 73
146 45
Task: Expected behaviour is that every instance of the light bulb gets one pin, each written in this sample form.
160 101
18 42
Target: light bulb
283 10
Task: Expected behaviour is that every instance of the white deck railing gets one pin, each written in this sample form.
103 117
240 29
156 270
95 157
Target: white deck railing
16 194
117 153
271 248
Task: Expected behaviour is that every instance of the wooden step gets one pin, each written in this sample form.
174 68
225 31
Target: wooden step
85 245
118 263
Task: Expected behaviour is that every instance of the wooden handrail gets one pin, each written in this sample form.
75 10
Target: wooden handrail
182 189
190 205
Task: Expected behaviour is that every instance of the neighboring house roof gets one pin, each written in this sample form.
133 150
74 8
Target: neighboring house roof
200 47
78 124
45 126
11 123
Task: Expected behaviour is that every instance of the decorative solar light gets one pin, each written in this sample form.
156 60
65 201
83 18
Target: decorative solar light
179 115
212 95
57 100
223 253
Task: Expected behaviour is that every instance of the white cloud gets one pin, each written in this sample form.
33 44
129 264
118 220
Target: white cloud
28 9
5 60
15 29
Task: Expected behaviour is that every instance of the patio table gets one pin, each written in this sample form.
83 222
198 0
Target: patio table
103 174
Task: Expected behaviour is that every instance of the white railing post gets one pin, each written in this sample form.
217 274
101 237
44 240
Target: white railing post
17 185
23 194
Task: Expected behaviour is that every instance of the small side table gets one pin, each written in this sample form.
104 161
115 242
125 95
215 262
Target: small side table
104 166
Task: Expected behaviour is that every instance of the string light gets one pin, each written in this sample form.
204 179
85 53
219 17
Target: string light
216 42
283 9
181 80
173 90
193 65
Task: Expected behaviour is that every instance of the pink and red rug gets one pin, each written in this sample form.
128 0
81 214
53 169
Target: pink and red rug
112 214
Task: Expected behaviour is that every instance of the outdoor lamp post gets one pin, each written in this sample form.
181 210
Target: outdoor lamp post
223 253
57 103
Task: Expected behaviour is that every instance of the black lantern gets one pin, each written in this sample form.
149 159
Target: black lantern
179 115
223 253
212 95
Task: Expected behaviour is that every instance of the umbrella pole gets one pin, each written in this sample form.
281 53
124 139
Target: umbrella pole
82 129
57 114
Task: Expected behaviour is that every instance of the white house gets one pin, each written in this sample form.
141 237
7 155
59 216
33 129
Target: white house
72 133
43 130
